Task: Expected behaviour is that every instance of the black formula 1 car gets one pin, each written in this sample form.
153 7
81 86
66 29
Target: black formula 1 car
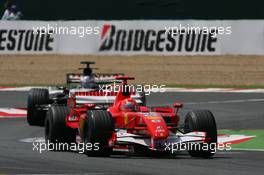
39 99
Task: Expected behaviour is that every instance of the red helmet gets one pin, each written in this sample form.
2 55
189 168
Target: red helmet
128 105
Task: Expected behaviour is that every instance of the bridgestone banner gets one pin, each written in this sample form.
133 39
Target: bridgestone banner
136 37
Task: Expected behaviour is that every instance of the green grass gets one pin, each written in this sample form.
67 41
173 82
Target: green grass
255 143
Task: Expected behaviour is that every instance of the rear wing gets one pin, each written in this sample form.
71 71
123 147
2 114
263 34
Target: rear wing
98 77
99 97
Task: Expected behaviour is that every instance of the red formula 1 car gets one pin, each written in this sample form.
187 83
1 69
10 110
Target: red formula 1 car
125 124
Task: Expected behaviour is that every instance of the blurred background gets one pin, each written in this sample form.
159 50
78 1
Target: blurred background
145 9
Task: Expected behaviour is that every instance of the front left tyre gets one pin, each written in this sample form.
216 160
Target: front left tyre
56 130
36 98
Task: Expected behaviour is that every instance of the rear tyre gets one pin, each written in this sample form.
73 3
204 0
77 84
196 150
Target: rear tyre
36 97
202 120
56 130
98 129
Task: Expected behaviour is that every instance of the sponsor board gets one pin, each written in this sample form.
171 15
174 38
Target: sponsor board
135 37
25 40
19 37
116 38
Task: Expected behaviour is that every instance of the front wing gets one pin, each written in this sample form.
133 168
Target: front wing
174 140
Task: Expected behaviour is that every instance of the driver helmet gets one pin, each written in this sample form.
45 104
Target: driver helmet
87 72
129 105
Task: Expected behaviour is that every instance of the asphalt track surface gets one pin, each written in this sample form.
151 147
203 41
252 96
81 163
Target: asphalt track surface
232 111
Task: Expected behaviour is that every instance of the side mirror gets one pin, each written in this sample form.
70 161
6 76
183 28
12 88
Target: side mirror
177 105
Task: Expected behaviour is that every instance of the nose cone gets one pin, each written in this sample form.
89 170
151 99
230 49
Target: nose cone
157 127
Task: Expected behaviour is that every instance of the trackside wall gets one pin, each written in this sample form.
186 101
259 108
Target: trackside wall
134 37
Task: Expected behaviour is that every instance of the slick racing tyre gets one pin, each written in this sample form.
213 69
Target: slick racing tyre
36 97
98 129
56 130
202 120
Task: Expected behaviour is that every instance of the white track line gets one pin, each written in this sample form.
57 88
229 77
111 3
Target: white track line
22 89
226 101
13 111
246 149
231 90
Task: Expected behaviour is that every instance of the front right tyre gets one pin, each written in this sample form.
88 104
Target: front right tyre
202 120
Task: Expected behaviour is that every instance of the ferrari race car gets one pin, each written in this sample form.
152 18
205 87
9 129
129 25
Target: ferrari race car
39 99
127 124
